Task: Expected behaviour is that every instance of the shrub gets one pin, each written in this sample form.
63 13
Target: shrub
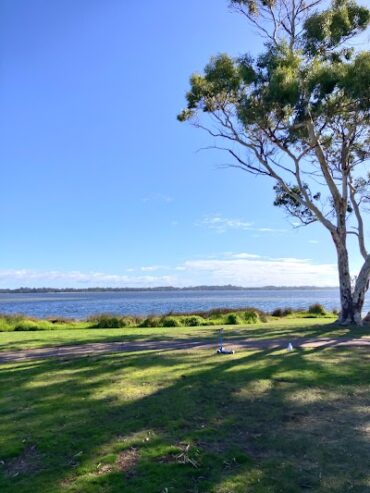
316 309
24 325
217 312
106 321
170 322
150 322
193 321
60 320
232 319
251 316
282 312
4 325
12 318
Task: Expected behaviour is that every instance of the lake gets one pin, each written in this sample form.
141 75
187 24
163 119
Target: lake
83 304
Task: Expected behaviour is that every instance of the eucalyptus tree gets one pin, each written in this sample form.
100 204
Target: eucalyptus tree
299 114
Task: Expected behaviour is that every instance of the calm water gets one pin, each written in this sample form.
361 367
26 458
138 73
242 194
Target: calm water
81 305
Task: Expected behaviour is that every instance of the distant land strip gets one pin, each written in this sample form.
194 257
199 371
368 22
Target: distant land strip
227 287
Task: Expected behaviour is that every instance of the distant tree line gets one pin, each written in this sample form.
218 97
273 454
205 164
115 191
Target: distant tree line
227 287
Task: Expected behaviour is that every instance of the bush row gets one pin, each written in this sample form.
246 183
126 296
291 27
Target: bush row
314 310
105 321
219 316
23 323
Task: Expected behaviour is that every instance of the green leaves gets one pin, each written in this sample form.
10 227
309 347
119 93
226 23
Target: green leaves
295 93
253 6
357 79
290 199
221 84
281 67
328 29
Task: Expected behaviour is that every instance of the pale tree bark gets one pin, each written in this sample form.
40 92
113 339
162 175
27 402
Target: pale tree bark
350 311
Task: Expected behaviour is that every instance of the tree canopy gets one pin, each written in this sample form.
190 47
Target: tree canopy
299 113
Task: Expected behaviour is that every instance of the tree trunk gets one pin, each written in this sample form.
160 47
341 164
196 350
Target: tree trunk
351 301
361 287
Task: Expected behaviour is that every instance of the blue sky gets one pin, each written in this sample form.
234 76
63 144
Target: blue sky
100 183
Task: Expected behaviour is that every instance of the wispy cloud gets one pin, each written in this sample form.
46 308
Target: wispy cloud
221 224
243 255
152 268
248 270
26 277
238 268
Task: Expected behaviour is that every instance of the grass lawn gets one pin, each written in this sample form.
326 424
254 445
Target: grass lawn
278 328
186 421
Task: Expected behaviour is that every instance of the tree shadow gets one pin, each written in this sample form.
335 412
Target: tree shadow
261 421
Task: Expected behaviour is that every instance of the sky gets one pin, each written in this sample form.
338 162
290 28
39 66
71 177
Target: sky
101 185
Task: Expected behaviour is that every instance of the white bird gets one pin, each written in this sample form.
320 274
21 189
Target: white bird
290 347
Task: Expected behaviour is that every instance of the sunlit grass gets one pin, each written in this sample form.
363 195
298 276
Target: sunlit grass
289 327
187 421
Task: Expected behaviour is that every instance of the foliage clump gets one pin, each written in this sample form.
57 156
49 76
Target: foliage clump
232 319
108 321
170 322
282 312
251 317
316 309
193 321
150 321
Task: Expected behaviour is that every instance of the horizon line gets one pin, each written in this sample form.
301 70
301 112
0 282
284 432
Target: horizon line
162 288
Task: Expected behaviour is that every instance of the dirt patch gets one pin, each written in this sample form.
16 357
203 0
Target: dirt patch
28 462
105 468
127 461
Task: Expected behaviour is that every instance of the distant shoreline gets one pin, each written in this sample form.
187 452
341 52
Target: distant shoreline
23 290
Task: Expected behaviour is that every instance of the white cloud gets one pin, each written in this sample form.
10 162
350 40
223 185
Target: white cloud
220 224
34 278
243 255
270 230
242 269
152 268
262 271
314 242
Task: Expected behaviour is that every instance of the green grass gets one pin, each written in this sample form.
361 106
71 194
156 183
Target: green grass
186 421
289 327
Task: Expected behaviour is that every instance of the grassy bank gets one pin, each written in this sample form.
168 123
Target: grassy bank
246 316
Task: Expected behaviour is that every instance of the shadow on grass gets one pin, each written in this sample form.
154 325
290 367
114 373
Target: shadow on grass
284 329
265 421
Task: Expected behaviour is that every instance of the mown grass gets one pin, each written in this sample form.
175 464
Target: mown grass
187 422
289 327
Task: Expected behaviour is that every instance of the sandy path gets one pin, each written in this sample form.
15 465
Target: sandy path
96 348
